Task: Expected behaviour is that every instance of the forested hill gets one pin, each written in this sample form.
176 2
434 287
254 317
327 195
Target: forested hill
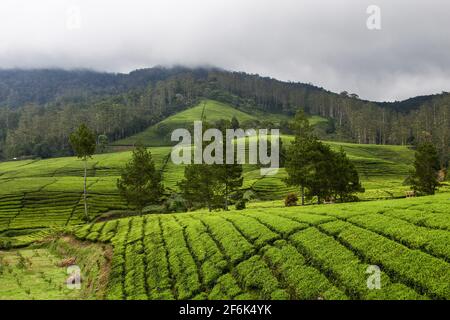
39 108
42 86
20 87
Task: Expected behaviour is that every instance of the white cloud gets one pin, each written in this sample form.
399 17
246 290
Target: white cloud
324 42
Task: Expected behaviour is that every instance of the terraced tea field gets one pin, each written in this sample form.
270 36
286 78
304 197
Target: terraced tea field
316 252
264 252
43 193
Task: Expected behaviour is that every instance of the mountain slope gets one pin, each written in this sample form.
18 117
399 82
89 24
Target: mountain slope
207 110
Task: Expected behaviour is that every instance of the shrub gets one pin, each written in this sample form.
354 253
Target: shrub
240 204
291 200
175 203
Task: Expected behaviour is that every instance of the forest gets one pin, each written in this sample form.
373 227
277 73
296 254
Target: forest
40 108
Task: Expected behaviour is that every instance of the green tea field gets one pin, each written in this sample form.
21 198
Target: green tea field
41 193
268 252
295 253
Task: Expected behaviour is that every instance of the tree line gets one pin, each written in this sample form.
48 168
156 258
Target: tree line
120 109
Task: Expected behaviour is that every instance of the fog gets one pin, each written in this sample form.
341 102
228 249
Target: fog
326 42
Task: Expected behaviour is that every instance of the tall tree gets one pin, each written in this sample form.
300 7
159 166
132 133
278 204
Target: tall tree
102 142
235 123
319 178
83 144
298 163
199 185
424 178
345 177
140 183
229 177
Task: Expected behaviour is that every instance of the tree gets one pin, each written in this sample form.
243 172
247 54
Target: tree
298 163
234 123
229 177
199 185
102 142
345 177
140 183
319 171
83 144
213 184
424 178
319 178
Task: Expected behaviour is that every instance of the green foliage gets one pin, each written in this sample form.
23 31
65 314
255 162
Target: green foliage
426 169
49 192
199 185
212 185
319 171
240 204
140 183
102 142
420 270
83 142
298 153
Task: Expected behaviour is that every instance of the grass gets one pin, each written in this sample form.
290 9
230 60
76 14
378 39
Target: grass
32 274
313 252
40 272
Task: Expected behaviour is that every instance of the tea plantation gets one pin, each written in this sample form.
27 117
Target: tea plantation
266 251
43 193
317 252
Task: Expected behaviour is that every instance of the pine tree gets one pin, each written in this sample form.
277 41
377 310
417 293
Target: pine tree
424 178
140 183
229 177
319 178
234 123
298 164
83 144
345 177
199 185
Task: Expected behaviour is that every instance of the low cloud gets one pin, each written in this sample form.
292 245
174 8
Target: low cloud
323 42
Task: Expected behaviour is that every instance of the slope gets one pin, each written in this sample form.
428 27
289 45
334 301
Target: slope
206 110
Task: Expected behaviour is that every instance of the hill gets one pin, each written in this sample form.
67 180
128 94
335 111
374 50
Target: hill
208 110
122 105
20 87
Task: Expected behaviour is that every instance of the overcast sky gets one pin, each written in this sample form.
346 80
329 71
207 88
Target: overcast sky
324 42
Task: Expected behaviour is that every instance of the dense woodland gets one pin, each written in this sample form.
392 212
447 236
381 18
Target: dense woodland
40 108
